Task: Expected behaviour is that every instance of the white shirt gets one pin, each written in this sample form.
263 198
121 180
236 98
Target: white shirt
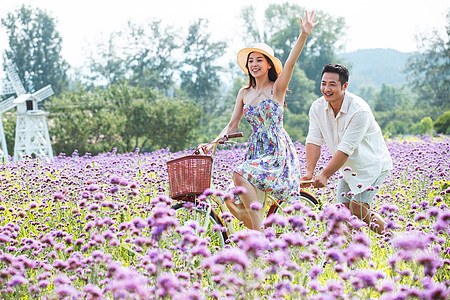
355 132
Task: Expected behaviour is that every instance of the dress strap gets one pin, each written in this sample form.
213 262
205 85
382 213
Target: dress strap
271 94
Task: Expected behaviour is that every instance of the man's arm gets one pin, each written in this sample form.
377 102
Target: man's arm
312 156
337 161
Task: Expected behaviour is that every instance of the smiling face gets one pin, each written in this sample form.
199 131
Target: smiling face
257 64
332 89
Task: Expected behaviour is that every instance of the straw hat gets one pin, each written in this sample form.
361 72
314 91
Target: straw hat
260 48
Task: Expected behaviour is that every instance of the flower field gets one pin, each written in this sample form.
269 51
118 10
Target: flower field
102 227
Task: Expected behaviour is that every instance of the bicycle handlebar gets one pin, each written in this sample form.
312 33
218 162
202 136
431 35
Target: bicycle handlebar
222 140
234 135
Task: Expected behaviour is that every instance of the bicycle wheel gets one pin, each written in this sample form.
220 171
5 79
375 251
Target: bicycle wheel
304 197
299 214
206 219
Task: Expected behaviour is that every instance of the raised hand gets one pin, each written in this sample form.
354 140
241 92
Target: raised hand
309 24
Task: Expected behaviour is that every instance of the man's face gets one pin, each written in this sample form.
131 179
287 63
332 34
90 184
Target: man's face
332 89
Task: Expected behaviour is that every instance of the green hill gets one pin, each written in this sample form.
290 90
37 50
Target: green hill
375 67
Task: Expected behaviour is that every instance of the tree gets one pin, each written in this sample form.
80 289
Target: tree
123 117
296 125
390 98
429 68
199 73
108 64
151 56
368 93
442 123
141 54
35 47
300 95
426 126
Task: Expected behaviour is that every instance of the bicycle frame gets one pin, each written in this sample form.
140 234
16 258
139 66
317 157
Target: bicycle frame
214 207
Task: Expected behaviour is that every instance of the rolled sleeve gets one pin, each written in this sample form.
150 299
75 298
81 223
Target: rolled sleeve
314 133
355 132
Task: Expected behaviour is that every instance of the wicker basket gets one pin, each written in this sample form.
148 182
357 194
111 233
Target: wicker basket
189 176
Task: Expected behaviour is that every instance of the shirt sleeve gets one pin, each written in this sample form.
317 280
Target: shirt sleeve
314 134
355 132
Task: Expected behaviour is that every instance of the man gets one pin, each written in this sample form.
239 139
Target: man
346 124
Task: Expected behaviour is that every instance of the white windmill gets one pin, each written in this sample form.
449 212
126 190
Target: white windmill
32 137
7 88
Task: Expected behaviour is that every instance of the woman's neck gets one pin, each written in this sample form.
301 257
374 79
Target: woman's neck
261 83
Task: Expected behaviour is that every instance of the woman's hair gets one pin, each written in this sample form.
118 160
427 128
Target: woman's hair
272 72
341 70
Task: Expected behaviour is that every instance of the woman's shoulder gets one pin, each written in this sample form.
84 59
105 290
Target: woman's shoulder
241 94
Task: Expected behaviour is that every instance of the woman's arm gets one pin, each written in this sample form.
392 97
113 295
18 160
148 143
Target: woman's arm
282 82
236 117
233 124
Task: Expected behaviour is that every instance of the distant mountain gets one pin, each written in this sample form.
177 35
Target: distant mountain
375 67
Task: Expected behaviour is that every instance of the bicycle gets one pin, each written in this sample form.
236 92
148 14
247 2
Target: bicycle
189 177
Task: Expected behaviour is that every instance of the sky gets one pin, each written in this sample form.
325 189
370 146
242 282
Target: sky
370 24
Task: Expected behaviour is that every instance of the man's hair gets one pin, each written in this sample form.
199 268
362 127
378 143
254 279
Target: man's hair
339 69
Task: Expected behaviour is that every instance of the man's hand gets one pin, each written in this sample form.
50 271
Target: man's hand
307 177
320 181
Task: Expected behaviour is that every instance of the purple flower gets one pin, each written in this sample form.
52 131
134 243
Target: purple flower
368 277
276 219
430 263
114 179
277 258
354 252
168 285
231 256
93 187
201 250
66 291
334 254
294 239
4 238
99 196
113 189
208 192
58 195
139 223
411 241
252 242
93 207
255 205
387 285
443 221
239 190
361 238
93 290
62 280
315 271
17 279
123 182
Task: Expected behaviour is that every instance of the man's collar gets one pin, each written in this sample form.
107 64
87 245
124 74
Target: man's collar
344 106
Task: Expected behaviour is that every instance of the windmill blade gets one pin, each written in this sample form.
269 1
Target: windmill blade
6 88
43 93
7 105
14 79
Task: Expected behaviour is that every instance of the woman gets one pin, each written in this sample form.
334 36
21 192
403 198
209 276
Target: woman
271 163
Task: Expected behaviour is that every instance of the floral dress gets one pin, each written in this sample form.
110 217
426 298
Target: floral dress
271 163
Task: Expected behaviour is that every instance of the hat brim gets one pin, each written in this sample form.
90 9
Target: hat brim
242 57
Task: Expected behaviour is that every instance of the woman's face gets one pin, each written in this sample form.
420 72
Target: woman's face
257 64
